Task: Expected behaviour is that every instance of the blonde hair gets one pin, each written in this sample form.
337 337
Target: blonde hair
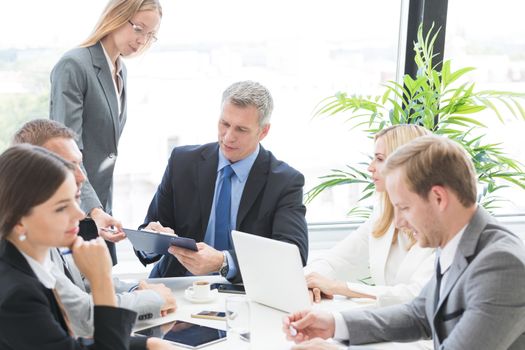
116 14
436 161
394 137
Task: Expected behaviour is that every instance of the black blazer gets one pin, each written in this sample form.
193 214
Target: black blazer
30 317
271 204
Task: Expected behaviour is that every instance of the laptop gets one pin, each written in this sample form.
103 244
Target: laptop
272 272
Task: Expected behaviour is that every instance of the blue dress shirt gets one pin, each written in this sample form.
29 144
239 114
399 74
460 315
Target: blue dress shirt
241 171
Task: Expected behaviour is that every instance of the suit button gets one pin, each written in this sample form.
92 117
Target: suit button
112 155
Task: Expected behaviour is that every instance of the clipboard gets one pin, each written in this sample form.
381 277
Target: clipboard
158 242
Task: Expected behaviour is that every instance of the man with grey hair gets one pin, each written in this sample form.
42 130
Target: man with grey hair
235 183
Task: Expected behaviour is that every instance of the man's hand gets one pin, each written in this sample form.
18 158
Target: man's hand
204 261
155 226
170 304
104 223
306 325
317 344
321 286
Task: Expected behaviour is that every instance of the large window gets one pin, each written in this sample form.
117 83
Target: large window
302 51
492 41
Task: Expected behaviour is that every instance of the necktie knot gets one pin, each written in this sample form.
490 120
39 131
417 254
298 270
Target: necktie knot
227 172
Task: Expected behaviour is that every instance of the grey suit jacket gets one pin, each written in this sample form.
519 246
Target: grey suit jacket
482 306
83 98
79 304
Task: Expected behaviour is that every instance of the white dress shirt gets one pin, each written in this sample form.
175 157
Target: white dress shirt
115 73
446 256
42 271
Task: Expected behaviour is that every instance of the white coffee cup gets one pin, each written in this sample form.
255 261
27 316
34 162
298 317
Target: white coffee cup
200 290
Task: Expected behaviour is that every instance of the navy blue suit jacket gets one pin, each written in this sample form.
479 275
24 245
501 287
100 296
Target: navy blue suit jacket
271 204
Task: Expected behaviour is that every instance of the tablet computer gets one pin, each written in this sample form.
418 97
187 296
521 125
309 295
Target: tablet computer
185 334
157 242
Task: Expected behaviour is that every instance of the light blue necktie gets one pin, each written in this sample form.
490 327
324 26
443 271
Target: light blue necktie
222 211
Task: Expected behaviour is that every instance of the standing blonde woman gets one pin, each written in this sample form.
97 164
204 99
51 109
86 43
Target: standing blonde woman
89 95
398 268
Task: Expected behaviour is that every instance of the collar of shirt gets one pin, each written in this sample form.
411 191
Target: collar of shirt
242 167
42 271
446 255
110 63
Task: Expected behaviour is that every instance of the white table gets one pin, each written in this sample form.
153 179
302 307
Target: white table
266 333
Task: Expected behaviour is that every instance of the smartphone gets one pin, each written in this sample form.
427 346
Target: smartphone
229 288
211 315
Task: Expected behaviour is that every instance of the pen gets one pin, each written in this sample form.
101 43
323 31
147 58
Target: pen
107 229
293 331
66 252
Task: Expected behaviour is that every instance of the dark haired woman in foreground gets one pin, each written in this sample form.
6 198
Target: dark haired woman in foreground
39 210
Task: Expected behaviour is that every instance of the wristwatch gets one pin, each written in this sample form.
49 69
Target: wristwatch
224 267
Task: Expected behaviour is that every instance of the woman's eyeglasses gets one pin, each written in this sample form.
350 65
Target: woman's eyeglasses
140 31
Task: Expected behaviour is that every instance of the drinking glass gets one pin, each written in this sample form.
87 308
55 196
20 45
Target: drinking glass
238 318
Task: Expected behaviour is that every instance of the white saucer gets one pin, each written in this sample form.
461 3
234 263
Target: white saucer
212 296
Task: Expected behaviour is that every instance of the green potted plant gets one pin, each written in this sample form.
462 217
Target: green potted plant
442 103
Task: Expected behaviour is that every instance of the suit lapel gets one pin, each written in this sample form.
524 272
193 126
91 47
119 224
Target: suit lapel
106 82
254 184
206 177
466 248
12 256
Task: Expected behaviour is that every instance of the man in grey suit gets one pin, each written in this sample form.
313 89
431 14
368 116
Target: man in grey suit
476 299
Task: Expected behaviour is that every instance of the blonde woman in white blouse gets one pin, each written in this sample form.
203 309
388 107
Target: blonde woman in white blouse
377 260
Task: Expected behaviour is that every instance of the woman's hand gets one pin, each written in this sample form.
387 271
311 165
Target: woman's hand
104 222
93 260
321 286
